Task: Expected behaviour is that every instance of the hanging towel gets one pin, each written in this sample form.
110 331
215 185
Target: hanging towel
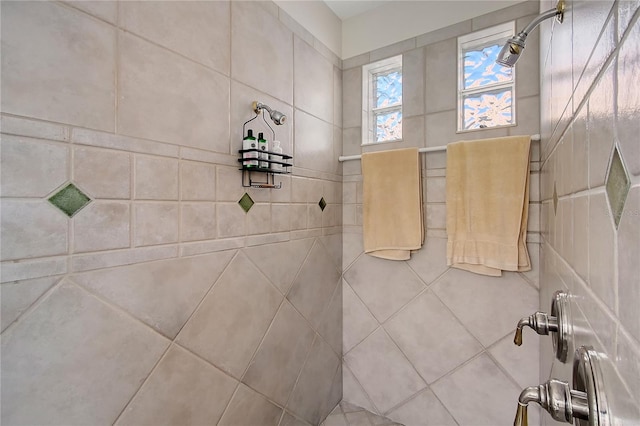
488 205
392 203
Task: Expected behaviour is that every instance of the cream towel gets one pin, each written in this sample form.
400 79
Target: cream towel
488 205
392 203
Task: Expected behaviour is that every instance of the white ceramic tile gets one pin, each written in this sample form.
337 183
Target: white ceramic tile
315 215
580 158
392 49
250 408
430 261
228 184
28 269
199 30
91 261
413 71
314 285
441 76
337 96
123 143
629 264
34 128
314 143
103 174
386 375
521 362
32 229
351 249
156 178
161 91
156 223
478 394
352 97
102 226
198 221
314 383
423 410
181 387
53 359
262 61
229 324
358 418
197 181
259 219
476 299
280 217
358 323
313 92
280 262
431 337
155 292
601 250
600 127
279 360
354 396
383 285
628 101
66 81
231 220
32 168
331 326
102 10
17 297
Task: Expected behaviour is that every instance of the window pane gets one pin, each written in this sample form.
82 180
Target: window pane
388 89
480 68
488 109
389 126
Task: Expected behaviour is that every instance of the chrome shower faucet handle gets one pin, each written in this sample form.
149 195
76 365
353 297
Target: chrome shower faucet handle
556 324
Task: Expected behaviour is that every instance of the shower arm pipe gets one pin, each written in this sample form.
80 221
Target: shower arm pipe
542 17
429 149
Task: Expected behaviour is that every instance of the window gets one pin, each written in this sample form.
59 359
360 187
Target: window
382 101
486 90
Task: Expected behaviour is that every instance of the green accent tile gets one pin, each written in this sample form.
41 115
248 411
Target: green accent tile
70 200
555 199
322 204
246 202
617 185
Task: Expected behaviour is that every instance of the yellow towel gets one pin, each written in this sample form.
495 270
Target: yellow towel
392 203
488 205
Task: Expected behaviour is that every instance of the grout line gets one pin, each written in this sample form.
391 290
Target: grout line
144 382
345 364
233 395
304 364
261 342
36 303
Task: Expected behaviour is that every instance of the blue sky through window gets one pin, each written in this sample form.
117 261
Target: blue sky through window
488 109
388 89
389 126
480 68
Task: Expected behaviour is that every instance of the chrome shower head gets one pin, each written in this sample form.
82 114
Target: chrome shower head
512 50
277 117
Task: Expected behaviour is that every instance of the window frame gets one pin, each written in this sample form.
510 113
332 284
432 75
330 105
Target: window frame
497 34
369 110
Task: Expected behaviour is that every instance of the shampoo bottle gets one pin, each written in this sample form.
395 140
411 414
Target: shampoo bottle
263 146
277 149
249 142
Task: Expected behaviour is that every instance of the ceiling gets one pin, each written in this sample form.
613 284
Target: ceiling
346 9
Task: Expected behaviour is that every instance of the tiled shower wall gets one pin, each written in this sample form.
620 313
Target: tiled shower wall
424 344
590 107
162 301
